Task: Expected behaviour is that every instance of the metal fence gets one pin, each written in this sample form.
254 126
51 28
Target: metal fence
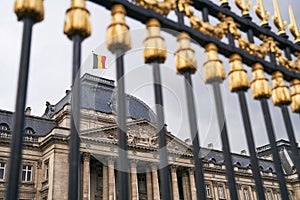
271 55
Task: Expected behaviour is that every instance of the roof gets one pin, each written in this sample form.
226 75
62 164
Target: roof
41 126
100 94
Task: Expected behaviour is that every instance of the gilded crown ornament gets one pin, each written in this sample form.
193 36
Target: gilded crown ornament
262 14
185 56
162 7
280 92
259 85
117 35
29 8
77 20
244 6
295 94
293 25
213 66
238 78
155 47
277 19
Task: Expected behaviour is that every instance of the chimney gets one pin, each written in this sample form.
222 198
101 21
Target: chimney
244 152
210 146
28 111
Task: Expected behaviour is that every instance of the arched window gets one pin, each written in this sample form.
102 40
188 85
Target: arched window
29 131
4 127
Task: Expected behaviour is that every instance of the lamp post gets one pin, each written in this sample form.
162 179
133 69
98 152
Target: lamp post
30 12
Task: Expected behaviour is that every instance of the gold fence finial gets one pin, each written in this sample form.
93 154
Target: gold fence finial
155 46
259 85
293 25
238 78
277 19
77 20
29 8
280 91
117 35
295 93
262 14
213 66
222 2
243 5
185 56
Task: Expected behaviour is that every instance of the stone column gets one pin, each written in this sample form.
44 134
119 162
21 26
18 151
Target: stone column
156 194
251 193
111 179
192 184
149 184
174 183
105 182
86 176
215 190
134 181
185 185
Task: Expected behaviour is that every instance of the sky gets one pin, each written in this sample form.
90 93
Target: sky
50 73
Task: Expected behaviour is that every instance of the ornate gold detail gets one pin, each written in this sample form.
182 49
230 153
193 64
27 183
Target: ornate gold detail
185 55
278 21
283 61
230 26
184 7
77 20
213 66
262 14
243 5
296 64
223 2
260 85
117 35
269 45
295 94
163 7
238 78
29 8
155 47
293 26
280 91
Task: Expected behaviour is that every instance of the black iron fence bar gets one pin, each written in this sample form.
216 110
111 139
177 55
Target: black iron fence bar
225 141
74 143
198 169
141 14
164 170
291 135
251 145
123 163
223 128
199 176
16 145
274 148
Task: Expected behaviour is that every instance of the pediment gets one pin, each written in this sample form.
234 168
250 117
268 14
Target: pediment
140 133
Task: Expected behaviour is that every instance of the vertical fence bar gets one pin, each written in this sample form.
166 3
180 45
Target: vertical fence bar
77 28
199 176
123 163
74 143
164 171
118 42
274 149
291 135
198 170
16 145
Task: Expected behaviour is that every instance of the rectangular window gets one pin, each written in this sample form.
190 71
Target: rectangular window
26 173
2 170
142 183
208 190
221 191
46 170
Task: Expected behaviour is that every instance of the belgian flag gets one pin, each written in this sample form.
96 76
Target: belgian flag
99 61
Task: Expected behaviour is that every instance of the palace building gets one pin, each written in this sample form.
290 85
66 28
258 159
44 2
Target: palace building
45 155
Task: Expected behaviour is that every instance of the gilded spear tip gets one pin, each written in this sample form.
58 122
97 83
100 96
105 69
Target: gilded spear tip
277 19
261 13
293 25
244 6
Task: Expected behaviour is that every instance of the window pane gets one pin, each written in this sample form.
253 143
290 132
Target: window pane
28 176
23 175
